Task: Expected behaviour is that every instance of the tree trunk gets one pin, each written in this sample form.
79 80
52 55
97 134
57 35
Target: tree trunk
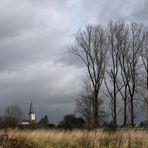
132 112
147 74
95 110
125 112
115 105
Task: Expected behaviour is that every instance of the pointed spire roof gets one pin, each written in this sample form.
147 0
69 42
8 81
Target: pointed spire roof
31 108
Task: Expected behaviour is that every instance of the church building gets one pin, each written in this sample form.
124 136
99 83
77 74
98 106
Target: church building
31 116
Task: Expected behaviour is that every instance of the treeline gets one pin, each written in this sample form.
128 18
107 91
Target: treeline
14 117
116 62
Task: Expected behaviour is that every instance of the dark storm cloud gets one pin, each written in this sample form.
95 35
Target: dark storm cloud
34 35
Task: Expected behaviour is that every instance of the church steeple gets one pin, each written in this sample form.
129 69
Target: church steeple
31 108
31 113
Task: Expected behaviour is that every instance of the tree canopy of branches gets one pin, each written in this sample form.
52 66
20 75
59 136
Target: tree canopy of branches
115 58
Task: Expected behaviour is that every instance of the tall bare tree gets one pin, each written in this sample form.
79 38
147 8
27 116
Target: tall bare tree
90 47
144 73
145 55
114 45
136 43
123 37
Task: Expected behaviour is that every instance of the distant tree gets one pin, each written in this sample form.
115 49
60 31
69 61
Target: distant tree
71 122
84 105
13 115
51 125
44 122
2 122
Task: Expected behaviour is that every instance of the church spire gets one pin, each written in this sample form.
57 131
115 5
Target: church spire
31 107
31 113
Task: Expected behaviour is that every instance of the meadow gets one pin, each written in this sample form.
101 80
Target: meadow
73 139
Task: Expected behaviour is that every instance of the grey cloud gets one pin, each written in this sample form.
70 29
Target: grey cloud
34 35
140 12
15 18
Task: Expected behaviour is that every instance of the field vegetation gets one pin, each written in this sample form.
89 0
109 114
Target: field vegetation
125 138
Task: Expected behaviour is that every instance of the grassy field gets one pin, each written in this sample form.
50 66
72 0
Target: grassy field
73 139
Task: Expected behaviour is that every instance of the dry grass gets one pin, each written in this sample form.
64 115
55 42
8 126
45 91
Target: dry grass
11 140
83 139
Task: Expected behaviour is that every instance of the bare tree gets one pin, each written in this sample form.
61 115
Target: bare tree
129 62
114 34
13 114
144 74
145 55
84 105
136 43
124 68
90 47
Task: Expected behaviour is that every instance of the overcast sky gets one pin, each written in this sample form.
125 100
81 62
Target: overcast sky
34 63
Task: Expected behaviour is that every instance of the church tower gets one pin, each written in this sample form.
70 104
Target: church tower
31 113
